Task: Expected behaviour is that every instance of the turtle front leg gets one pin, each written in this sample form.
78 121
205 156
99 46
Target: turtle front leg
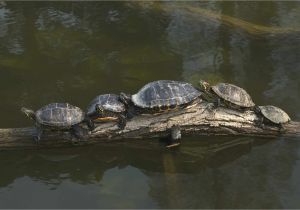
90 123
175 137
261 123
219 103
216 103
282 129
122 120
79 133
39 133
133 111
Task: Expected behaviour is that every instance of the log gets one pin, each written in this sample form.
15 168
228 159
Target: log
202 119
250 28
255 30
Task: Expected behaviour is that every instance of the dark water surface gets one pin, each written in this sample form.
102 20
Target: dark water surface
73 51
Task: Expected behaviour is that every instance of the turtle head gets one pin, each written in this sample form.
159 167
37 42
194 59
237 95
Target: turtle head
100 109
125 98
204 86
29 113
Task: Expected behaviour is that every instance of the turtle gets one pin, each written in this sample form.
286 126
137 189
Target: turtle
273 115
59 116
161 96
107 107
228 95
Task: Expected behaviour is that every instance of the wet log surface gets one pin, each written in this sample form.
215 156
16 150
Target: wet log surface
199 120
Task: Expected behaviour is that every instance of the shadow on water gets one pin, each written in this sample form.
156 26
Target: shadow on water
190 176
72 51
145 155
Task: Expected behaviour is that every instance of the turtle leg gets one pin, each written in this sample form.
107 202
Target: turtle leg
211 107
90 123
122 121
217 102
258 122
39 133
130 112
282 129
79 133
261 123
175 137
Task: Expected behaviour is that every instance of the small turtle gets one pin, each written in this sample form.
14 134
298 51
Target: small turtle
162 96
227 95
58 116
273 115
107 107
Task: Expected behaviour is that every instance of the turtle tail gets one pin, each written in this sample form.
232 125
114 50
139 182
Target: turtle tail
29 113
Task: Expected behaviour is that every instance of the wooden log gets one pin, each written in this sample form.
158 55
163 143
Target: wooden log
255 30
201 119
250 28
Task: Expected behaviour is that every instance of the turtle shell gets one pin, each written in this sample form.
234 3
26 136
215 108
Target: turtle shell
233 94
62 115
165 93
110 102
274 114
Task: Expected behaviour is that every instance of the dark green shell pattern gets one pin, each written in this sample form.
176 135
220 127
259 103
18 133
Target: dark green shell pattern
60 115
233 94
109 102
165 93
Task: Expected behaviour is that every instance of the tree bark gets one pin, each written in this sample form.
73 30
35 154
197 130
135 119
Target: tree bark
201 119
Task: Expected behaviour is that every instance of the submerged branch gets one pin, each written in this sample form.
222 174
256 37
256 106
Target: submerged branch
199 120
251 28
209 15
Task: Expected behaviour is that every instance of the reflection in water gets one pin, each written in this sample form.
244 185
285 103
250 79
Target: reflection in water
10 33
286 73
206 174
196 45
76 50
243 182
118 155
51 16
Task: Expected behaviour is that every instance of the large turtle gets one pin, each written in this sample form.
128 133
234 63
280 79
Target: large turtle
162 96
107 107
273 115
228 95
58 116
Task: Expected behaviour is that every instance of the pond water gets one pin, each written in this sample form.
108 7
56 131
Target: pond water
73 51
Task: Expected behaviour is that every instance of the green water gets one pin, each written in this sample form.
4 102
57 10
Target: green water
73 51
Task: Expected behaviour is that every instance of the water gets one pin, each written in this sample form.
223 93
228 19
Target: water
73 51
